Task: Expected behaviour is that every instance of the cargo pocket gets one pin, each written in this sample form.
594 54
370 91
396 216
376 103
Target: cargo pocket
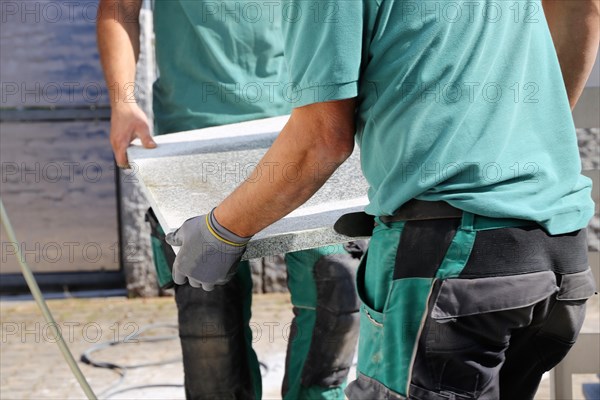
370 357
578 286
405 258
464 297
566 317
388 337
387 341
468 331
374 359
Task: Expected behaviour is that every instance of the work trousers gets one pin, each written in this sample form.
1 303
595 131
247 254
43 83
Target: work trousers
218 359
467 308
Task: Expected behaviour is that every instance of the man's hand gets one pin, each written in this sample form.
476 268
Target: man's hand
127 122
118 31
209 253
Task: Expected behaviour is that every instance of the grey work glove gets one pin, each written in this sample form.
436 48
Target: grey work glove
209 252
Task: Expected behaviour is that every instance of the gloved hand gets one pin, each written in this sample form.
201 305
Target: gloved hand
209 253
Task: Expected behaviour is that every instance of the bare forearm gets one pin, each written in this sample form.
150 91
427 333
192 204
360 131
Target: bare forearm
118 33
575 29
299 162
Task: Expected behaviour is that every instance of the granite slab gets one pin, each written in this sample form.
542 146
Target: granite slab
190 172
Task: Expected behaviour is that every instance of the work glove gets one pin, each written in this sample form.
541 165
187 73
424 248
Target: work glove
209 253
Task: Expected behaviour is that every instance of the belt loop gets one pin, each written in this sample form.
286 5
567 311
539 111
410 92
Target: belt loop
467 221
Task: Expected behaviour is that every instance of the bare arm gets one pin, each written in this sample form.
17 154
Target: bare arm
118 31
317 139
575 29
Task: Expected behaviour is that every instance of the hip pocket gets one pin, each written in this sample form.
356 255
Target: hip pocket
370 355
568 312
388 338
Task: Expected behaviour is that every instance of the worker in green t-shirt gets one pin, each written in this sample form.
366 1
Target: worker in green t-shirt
476 276
221 63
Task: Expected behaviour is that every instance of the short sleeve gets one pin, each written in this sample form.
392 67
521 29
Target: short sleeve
323 48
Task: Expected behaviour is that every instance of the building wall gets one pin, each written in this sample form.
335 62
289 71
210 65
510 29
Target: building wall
58 179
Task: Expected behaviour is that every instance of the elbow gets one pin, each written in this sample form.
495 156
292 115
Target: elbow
337 137
328 128
332 148
333 144
342 147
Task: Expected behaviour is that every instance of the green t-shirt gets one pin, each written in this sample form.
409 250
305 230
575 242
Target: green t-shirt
219 62
459 101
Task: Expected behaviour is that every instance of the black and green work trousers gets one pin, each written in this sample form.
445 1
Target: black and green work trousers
467 308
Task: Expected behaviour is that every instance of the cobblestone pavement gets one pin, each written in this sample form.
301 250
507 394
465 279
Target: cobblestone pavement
31 366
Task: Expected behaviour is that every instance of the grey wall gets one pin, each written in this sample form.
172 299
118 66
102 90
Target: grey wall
587 111
54 124
58 187
48 51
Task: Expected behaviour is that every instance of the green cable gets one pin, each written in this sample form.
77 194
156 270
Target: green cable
39 298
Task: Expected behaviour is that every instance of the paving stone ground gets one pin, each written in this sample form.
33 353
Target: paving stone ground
31 366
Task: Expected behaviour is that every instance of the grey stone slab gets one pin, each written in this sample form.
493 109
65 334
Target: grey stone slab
191 172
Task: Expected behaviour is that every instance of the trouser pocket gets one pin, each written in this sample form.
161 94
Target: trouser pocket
468 330
394 283
371 359
388 340
566 316
371 329
372 291
555 327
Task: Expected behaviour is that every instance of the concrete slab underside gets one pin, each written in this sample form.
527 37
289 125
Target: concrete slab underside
191 172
